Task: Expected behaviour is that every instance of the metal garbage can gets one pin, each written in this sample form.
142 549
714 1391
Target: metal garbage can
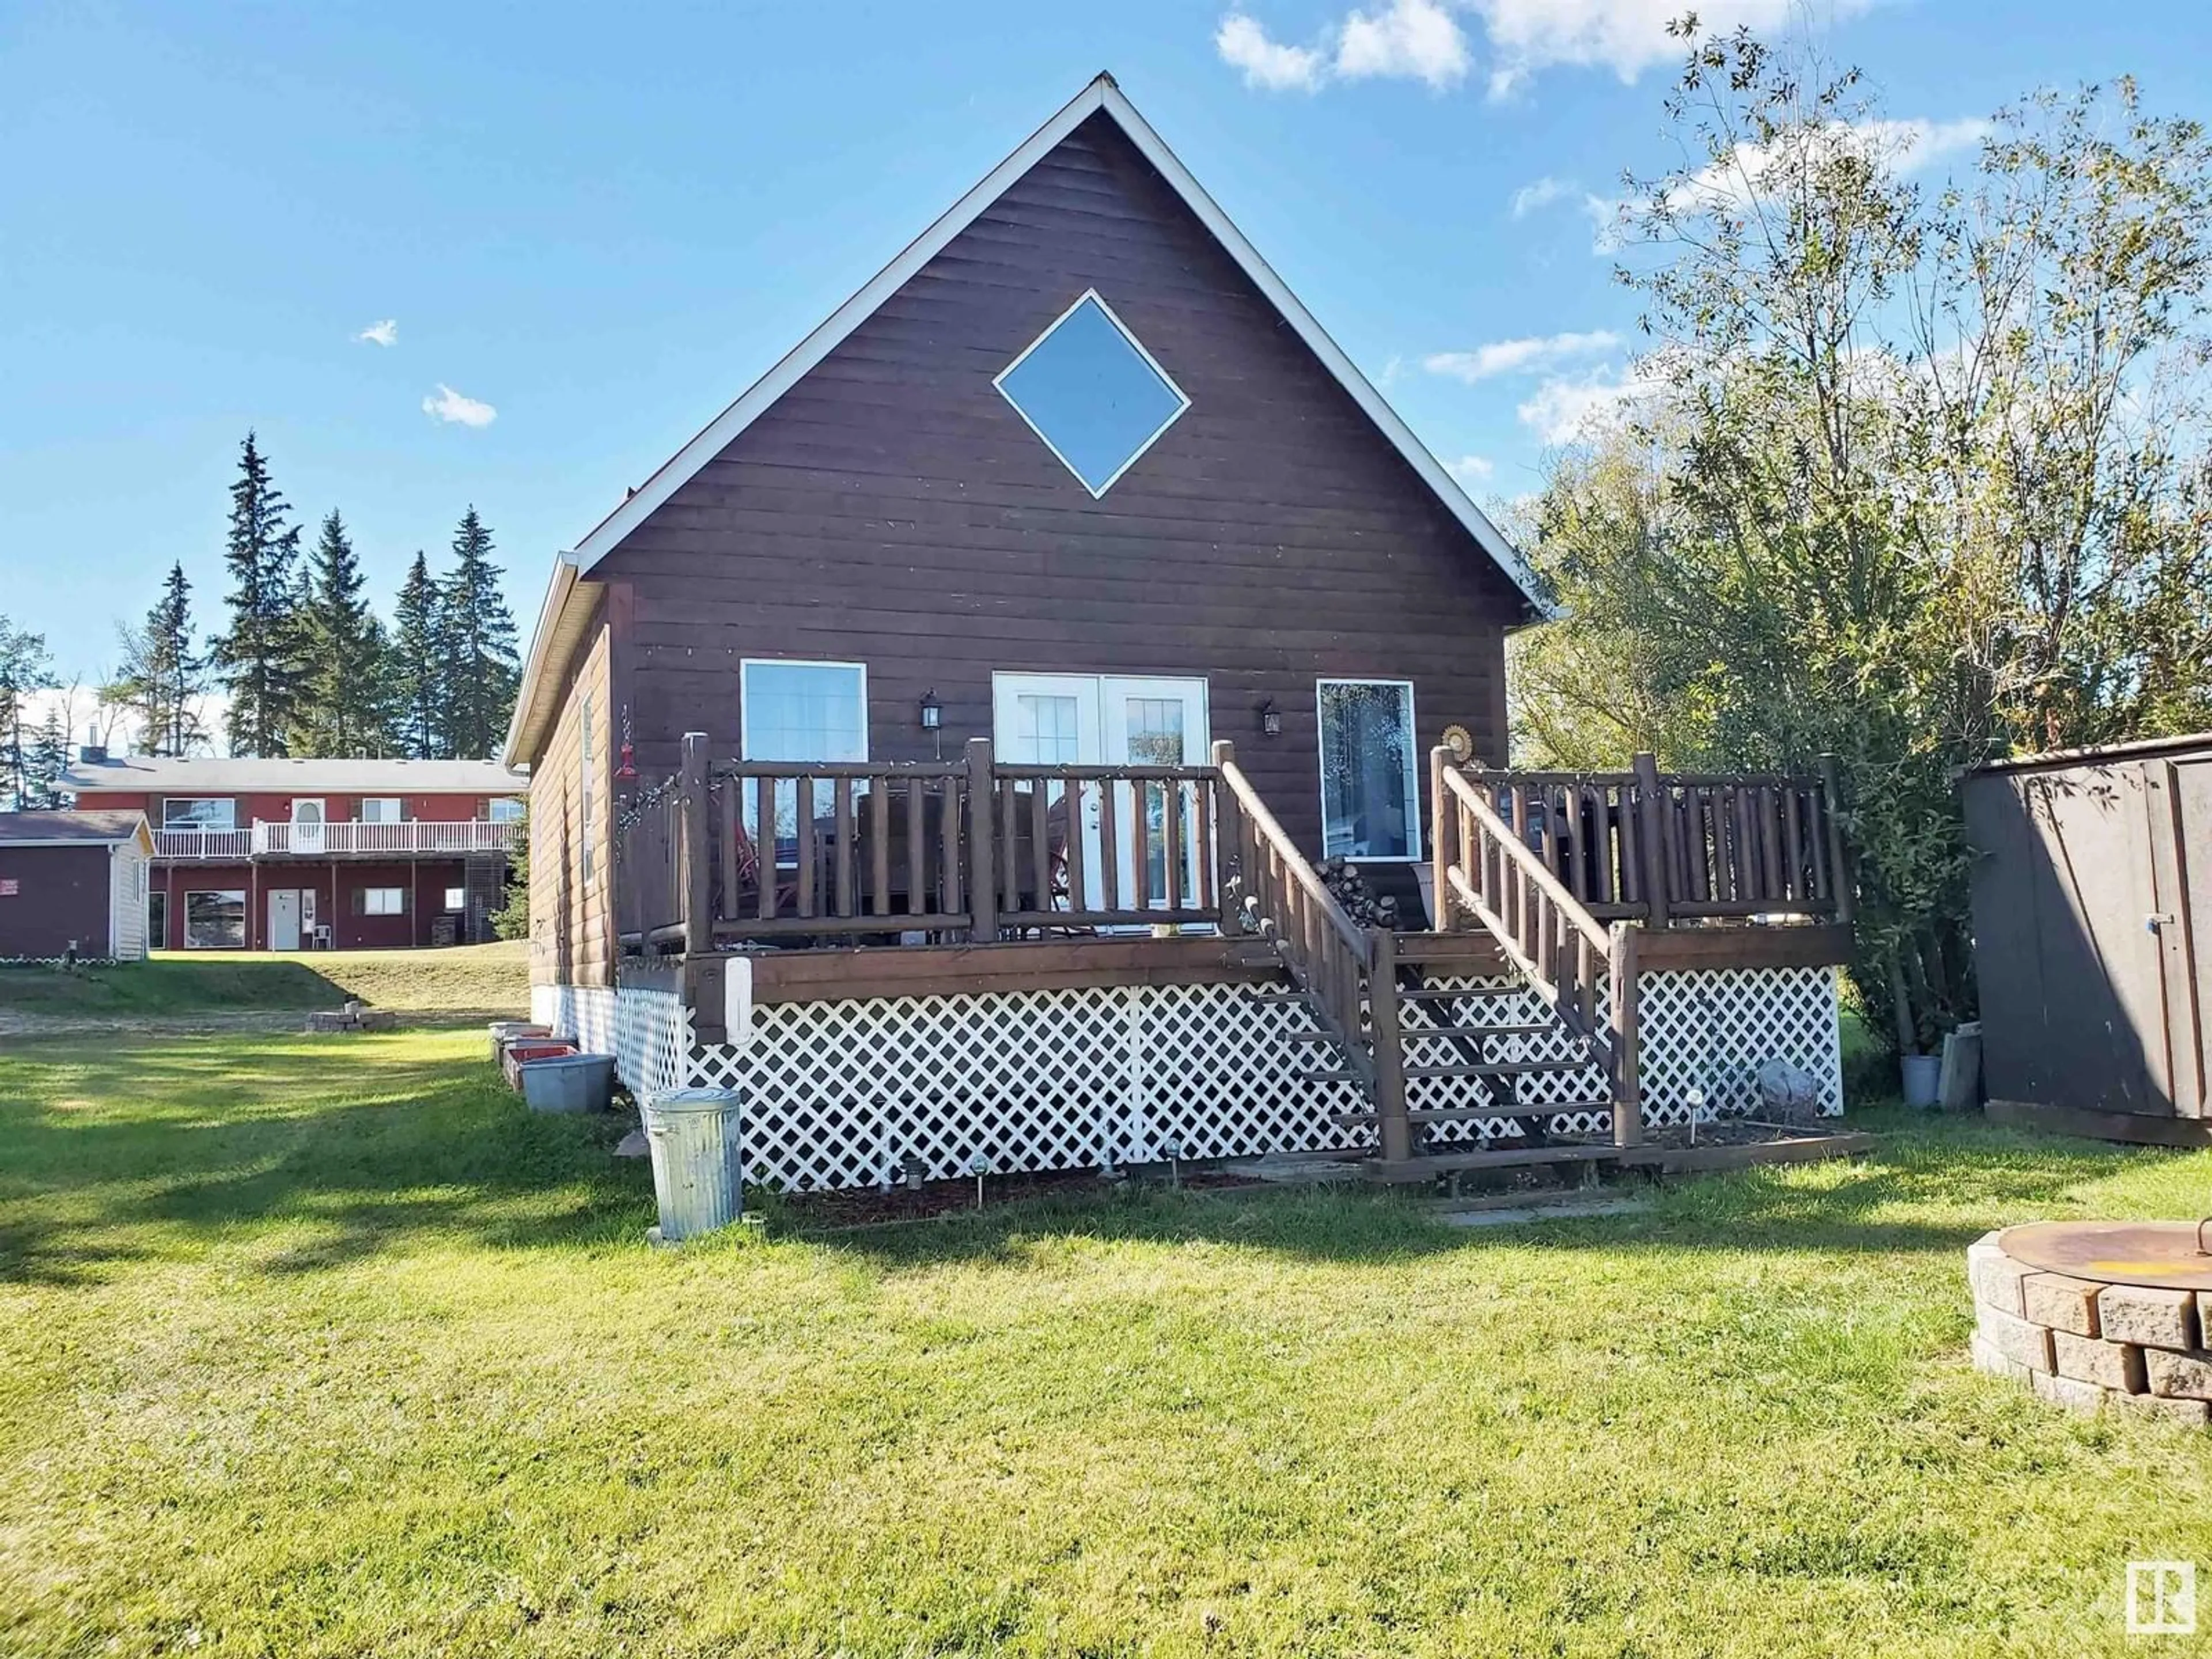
698 1165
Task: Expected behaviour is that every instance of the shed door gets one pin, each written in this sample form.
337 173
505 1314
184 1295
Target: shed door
2178 797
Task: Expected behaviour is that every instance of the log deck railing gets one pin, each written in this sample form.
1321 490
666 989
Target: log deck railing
748 853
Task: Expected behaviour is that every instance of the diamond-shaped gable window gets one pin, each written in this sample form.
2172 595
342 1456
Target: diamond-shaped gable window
1092 393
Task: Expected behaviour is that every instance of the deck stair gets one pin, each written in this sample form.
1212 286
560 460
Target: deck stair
1369 995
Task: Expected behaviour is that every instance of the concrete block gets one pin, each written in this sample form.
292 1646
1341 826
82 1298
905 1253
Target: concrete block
1989 1360
1996 1277
2015 1339
2179 1376
2063 1303
2194 1413
2070 1392
2149 1317
2115 1365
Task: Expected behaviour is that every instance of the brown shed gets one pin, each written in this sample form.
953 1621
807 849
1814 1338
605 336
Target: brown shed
73 882
2091 886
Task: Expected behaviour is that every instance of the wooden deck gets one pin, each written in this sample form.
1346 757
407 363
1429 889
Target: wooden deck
752 885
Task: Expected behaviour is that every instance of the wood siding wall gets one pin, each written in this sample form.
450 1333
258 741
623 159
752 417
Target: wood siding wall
571 941
61 898
892 508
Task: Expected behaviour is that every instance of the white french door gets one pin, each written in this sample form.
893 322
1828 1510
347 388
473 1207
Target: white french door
1109 719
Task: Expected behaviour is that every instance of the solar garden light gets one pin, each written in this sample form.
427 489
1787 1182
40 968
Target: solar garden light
979 1166
913 1168
1171 1149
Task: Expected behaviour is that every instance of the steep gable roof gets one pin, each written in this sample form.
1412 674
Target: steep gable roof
1101 95
556 627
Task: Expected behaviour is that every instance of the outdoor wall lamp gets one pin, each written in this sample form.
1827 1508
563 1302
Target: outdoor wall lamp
933 712
1271 719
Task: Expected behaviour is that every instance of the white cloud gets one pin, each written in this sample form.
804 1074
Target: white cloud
450 407
1408 39
1244 45
384 333
1470 469
1626 36
1565 410
1518 357
1540 192
1415 39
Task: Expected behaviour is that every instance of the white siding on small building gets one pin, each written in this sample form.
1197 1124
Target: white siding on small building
127 867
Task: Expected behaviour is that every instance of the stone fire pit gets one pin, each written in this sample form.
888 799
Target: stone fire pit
2098 1315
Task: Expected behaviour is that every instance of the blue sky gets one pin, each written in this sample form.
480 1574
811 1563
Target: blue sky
592 226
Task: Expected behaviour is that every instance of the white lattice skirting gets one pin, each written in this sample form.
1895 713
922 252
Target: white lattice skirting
648 1032
839 1094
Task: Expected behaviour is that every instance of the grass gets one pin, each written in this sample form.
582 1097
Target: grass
325 1347
175 983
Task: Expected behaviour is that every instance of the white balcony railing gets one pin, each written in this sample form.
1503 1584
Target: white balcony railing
415 838
205 846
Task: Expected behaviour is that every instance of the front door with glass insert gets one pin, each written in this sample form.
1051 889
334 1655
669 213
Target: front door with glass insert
1105 720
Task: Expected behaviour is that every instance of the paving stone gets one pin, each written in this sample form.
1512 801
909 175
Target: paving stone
2196 1412
2015 1339
2149 1317
2068 1391
2063 1303
2179 1376
1996 1277
2115 1365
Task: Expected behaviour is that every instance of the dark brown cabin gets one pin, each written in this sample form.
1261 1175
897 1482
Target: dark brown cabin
1022 640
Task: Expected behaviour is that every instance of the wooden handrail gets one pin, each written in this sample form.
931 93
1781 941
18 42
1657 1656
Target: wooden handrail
1342 969
1531 867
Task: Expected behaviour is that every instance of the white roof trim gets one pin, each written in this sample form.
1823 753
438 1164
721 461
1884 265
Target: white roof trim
526 714
1101 94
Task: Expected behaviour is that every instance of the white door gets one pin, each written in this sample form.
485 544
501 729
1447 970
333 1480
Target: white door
306 826
1105 720
283 918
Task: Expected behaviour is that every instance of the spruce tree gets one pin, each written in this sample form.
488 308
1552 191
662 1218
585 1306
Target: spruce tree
162 677
337 713
477 641
414 678
44 759
24 668
259 657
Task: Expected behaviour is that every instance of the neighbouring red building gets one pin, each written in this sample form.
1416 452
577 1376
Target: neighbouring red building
315 854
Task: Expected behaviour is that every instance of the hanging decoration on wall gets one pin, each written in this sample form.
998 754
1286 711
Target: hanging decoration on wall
628 767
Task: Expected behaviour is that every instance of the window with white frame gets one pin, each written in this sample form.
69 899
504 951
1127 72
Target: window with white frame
199 812
1092 392
504 809
379 901
1370 783
382 809
215 920
801 711
457 898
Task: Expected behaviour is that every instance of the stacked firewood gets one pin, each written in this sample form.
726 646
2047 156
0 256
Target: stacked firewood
1354 896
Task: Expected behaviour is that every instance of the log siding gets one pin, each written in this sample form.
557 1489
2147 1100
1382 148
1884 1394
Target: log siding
892 508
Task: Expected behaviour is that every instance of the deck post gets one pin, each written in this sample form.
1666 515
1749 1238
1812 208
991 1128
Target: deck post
1227 851
982 842
1839 870
1394 1130
1627 1099
1654 813
698 913
1441 811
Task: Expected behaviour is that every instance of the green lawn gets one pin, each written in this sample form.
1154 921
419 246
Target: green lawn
324 1347
470 977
